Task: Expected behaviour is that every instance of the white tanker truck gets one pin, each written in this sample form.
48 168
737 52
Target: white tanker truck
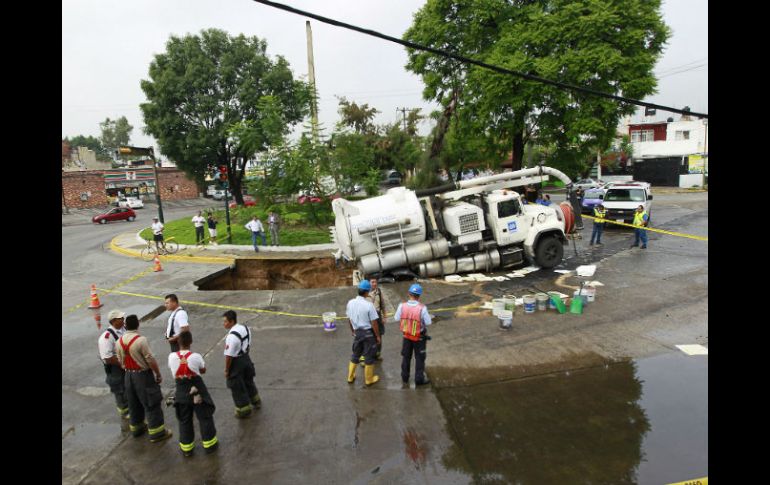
472 225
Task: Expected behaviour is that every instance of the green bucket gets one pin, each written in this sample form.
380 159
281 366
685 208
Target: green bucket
576 306
560 306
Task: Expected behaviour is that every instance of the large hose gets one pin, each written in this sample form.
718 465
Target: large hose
569 217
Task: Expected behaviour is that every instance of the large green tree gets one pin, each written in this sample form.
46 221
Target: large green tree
115 133
605 45
214 99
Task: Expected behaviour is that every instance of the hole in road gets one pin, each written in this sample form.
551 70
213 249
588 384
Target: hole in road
277 274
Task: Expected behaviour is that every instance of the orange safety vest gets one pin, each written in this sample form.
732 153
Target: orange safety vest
183 370
410 321
128 362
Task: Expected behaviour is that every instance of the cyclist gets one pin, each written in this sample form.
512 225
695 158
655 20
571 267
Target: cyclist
157 234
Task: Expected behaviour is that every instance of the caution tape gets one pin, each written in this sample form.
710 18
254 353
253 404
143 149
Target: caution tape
694 481
670 233
124 282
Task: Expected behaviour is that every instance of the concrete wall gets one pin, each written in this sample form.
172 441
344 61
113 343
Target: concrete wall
687 181
174 184
84 189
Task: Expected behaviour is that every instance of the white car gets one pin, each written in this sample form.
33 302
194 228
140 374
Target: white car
588 184
131 203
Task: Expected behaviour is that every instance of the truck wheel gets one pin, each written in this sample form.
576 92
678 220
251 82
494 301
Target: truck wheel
549 252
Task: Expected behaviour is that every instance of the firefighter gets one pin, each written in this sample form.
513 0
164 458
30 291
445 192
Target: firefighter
192 396
362 317
115 373
142 389
239 369
414 319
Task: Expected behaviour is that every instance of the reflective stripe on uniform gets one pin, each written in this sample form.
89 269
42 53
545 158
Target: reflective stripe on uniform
187 447
410 320
157 430
210 443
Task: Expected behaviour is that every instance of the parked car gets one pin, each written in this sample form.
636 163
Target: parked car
248 201
211 190
131 203
591 199
309 198
220 194
588 184
622 199
116 214
394 178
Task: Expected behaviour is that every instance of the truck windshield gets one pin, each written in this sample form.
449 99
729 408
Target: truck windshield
625 195
507 208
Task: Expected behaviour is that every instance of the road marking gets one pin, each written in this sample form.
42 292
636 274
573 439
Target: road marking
694 481
678 234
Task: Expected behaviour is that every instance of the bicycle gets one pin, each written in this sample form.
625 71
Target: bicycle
168 246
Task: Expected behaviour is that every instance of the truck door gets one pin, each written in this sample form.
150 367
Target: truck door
508 222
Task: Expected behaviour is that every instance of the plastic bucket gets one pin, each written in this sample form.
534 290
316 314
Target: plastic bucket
529 303
542 301
590 293
506 319
552 297
576 306
498 305
579 295
328 318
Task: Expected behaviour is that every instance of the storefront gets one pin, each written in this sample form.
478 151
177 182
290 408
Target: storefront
133 182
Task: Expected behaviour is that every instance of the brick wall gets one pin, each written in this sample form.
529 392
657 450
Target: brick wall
91 183
174 184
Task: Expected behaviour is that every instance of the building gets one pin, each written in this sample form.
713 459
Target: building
670 153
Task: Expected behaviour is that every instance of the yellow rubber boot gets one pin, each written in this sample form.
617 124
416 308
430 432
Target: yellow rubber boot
370 378
351 372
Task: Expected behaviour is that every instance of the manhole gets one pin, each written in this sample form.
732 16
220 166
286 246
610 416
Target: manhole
277 274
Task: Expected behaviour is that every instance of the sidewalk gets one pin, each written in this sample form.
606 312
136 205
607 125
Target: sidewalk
130 244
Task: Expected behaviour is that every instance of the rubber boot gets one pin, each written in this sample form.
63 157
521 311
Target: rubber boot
370 378
351 372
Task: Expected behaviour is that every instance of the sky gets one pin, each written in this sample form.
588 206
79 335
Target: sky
107 47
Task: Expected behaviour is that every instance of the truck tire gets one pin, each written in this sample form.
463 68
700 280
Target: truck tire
549 252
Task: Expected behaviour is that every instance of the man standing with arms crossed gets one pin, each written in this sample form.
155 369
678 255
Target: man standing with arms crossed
199 221
178 322
142 389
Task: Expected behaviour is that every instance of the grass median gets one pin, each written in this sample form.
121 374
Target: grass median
295 230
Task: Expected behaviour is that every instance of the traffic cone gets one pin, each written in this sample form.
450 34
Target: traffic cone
157 267
95 303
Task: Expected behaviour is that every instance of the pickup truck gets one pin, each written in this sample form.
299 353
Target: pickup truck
622 199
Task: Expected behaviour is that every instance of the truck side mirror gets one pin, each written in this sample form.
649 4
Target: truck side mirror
601 196
649 197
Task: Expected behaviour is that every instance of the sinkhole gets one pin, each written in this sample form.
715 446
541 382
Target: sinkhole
277 274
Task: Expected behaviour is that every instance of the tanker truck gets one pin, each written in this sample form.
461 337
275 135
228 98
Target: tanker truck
470 225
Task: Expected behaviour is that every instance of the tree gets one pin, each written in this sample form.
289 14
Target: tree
605 45
115 133
360 118
221 99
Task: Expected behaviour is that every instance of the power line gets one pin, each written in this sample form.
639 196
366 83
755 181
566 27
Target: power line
467 60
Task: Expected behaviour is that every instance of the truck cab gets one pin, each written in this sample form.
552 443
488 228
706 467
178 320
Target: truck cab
505 217
622 199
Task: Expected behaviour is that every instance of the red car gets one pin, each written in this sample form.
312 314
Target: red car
248 201
310 199
116 214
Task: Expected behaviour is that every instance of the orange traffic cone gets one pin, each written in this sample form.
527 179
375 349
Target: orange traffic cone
95 303
157 267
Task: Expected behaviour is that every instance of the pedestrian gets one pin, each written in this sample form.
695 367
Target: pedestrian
641 219
599 213
192 397
112 368
273 222
211 221
157 233
142 389
575 202
378 300
530 194
414 318
257 231
199 221
546 200
178 322
239 369
362 317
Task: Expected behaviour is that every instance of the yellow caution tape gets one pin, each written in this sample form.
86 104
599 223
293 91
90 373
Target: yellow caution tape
129 280
679 234
694 481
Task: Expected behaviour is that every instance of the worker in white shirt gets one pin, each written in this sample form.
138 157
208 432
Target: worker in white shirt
115 373
157 233
257 230
273 221
199 221
178 322
239 369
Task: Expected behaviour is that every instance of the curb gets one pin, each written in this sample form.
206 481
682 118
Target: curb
183 259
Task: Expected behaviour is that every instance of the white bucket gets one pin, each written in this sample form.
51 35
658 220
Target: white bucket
498 305
510 302
328 318
542 302
529 303
506 319
590 293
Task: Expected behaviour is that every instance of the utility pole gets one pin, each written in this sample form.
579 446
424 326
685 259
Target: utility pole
311 78
403 112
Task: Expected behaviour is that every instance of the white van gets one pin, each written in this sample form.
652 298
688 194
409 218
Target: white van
622 199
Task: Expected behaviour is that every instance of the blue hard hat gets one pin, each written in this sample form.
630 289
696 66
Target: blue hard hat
415 289
365 285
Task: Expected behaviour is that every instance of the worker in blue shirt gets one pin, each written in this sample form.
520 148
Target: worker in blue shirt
414 319
366 334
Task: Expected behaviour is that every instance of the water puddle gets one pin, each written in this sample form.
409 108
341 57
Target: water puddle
640 421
